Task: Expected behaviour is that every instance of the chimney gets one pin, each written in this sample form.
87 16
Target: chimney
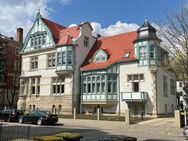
19 35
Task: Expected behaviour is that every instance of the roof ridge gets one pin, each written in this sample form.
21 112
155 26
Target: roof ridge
117 35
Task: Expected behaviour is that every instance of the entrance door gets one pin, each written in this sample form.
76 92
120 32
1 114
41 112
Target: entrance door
135 86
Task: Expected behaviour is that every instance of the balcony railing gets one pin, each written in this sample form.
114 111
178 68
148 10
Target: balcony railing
98 99
134 96
64 70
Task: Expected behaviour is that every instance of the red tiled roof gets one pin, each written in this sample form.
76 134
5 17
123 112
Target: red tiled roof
62 35
115 46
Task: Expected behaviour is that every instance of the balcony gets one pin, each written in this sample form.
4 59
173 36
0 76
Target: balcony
64 70
134 96
99 99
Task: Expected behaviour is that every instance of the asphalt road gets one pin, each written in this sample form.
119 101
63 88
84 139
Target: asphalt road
89 134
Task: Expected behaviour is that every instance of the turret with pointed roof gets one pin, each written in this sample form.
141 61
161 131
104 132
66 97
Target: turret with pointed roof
146 31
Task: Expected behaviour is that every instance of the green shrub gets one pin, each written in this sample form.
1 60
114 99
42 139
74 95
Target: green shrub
48 138
69 136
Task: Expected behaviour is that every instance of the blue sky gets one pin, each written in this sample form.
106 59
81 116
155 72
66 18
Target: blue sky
107 17
108 12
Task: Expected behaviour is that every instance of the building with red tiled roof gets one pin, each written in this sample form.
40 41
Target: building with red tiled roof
127 71
66 67
52 55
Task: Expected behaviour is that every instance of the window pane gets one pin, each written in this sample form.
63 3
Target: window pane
63 58
103 87
89 88
135 77
69 57
58 58
58 88
62 88
141 77
54 89
109 87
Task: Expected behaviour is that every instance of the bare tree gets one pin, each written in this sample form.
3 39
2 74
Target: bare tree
175 35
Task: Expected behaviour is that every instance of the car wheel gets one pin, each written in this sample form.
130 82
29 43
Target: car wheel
9 119
39 122
21 120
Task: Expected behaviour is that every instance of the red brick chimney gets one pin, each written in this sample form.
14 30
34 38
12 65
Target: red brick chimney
19 35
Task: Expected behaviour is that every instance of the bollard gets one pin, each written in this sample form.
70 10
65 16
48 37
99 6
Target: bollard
178 118
98 113
127 116
74 113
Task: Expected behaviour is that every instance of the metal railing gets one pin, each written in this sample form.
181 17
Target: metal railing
9 132
134 96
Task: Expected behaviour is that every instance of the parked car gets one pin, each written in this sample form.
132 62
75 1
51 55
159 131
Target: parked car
39 117
185 132
10 115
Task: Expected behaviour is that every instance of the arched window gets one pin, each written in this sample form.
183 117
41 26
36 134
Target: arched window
33 107
53 109
30 108
59 109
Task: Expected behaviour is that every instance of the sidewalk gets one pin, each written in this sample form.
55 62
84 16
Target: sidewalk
160 126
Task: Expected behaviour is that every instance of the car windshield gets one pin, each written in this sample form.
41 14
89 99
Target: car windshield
44 112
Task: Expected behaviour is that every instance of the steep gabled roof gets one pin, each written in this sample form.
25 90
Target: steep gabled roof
116 47
62 35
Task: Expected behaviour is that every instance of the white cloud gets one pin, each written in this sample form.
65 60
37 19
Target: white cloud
71 25
117 28
20 13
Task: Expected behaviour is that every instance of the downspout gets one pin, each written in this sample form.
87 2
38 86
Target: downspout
119 87
156 93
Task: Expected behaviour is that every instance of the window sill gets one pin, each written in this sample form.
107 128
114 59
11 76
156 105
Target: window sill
33 70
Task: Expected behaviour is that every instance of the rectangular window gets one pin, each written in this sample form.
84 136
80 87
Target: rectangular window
141 77
103 87
33 86
98 87
44 39
59 59
173 86
93 87
64 58
40 40
143 52
32 42
135 77
88 88
109 87
130 78
115 87
36 41
34 63
151 52
84 88
165 86
51 60
69 58
86 41
58 86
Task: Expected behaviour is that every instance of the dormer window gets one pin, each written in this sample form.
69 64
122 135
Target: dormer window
127 54
101 56
38 39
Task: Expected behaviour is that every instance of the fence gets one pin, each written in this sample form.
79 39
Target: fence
9 132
